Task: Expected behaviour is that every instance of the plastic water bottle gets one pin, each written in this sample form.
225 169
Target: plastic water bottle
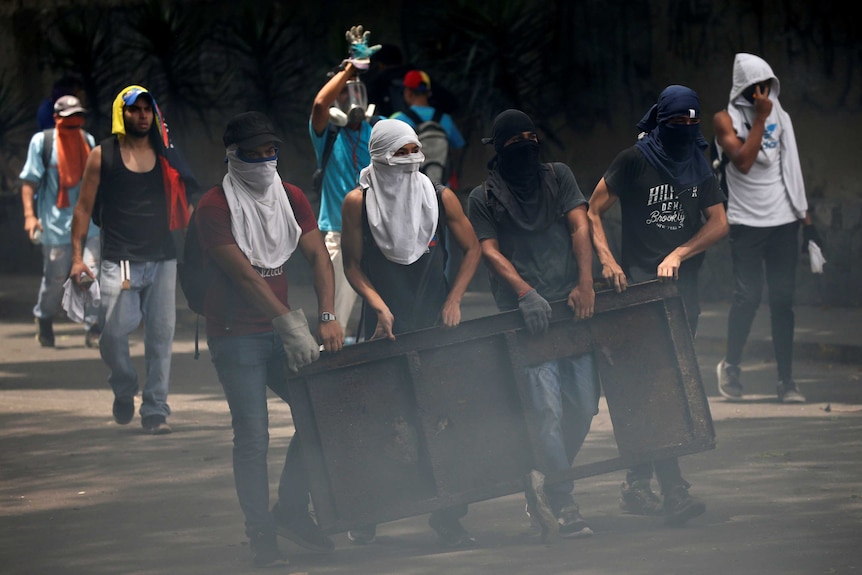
37 237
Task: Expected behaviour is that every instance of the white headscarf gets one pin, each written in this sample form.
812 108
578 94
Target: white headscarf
261 217
401 202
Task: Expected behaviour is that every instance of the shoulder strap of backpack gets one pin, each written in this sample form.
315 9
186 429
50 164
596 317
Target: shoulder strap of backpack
442 224
47 147
414 117
438 115
331 134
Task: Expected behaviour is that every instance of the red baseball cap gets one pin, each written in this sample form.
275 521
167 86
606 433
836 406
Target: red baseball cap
417 80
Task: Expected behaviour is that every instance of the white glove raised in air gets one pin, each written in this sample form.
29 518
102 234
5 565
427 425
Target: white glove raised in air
299 345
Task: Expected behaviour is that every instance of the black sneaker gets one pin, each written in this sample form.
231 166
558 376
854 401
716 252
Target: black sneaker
304 532
364 535
124 410
45 335
638 498
572 525
155 425
679 506
450 532
265 549
789 393
729 385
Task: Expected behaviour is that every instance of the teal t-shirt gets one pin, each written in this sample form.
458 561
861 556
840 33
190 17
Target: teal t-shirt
349 155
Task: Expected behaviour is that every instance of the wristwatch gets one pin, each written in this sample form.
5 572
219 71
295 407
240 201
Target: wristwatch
326 316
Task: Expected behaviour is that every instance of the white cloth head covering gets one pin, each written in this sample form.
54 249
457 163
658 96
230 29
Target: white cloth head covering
749 69
401 202
261 217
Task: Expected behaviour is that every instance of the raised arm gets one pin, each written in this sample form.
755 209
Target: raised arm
743 153
327 95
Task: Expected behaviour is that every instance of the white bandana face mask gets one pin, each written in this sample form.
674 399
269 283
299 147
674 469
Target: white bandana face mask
409 163
257 176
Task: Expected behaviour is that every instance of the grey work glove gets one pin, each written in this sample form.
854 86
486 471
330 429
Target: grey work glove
536 311
299 345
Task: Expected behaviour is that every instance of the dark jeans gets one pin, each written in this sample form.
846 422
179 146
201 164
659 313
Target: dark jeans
667 470
752 250
247 366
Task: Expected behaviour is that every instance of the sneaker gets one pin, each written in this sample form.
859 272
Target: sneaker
304 532
91 339
789 393
363 535
572 525
45 335
450 532
155 425
679 506
728 381
124 410
638 498
265 549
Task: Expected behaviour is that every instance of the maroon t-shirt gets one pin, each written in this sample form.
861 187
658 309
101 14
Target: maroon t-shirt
213 224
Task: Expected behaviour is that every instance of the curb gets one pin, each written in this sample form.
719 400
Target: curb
762 350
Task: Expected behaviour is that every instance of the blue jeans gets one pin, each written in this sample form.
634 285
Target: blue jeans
565 394
246 366
56 263
151 298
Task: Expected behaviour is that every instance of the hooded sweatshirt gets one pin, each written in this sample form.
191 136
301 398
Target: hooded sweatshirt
773 192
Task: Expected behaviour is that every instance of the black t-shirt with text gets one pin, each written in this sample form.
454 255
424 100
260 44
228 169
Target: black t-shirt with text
656 218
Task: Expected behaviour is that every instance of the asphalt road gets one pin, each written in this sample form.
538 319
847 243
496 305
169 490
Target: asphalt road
80 494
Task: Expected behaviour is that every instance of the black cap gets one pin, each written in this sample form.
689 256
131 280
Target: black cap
249 130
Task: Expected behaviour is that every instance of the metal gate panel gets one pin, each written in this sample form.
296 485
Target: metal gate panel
392 429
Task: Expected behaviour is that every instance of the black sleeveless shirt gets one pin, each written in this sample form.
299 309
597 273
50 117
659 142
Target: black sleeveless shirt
415 293
133 211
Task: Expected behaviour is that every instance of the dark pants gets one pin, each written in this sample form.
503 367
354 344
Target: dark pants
667 470
752 250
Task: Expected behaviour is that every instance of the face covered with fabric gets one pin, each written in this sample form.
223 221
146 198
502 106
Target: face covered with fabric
262 219
676 104
255 168
401 202
673 144
517 148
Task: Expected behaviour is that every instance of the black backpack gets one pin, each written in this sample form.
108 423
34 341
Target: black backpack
193 276
718 161
435 145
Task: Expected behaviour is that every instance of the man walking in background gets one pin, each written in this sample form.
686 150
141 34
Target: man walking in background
766 204
50 184
139 199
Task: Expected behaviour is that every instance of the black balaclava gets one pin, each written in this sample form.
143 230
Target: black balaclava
518 162
515 172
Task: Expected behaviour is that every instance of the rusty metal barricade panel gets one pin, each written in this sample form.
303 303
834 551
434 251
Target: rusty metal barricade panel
655 399
392 429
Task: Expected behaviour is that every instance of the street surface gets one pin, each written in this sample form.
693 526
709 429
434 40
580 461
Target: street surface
80 494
